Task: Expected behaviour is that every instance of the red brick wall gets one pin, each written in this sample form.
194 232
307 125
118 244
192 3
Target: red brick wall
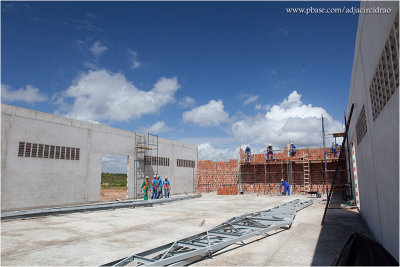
222 177
214 175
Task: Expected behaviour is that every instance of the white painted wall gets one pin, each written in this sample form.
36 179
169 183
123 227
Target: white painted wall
378 152
38 182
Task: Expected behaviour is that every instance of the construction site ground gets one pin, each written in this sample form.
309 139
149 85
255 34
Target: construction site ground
99 237
107 194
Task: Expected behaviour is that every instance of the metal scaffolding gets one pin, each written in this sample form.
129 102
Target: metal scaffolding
196 247
143 147
261 175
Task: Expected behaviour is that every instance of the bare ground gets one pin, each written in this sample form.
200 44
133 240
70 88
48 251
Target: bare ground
113 194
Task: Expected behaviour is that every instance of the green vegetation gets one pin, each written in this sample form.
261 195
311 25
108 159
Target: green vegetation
113 180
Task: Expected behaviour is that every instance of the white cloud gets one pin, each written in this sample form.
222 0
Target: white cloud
283 31
89 65
158 127
291 119
249 99
273 72
102 95
186 102
28 94
261 107
133 57
98 49
79 44
114 163
206 115
209 152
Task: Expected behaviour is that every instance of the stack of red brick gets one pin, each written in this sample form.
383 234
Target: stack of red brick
228 190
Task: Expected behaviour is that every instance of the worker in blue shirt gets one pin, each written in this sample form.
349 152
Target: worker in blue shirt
334 149
248 154
270 152
154 187
160 185
292 150
166 186
286 187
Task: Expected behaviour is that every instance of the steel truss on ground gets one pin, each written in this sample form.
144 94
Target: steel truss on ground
237 229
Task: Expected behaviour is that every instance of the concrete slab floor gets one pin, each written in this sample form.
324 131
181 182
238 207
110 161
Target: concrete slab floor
99 237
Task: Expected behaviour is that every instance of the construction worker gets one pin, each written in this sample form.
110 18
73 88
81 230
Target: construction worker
146 187
334 149
270 152
160 185
154 187
286 187
292 150
248 154
166 185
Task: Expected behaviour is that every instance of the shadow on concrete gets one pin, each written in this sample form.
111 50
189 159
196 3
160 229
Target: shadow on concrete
339 224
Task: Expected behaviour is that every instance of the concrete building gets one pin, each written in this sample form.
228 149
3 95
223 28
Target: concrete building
374 129
48 160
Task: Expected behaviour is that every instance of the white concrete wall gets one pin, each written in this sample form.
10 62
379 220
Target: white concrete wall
377 155
42 182
178 176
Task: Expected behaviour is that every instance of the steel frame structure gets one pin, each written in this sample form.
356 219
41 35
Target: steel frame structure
193 248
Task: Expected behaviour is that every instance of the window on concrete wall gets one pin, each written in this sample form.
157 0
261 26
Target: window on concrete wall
185 163
62 156
40 151
361 126
72 153
46 151
21 149
58 152
151 160
33 150
28 149
68 153
386 78
52 148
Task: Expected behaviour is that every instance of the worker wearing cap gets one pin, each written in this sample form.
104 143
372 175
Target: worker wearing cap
166 185
248 154
146 187
334 149
154 187
286 187
160 185
292 150
270 152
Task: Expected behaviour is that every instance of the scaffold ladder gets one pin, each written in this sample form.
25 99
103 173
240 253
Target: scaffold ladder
306 170
196 247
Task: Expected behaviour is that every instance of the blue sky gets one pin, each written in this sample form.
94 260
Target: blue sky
215 74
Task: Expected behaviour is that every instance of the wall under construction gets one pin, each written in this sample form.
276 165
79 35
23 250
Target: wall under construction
261 176
214 176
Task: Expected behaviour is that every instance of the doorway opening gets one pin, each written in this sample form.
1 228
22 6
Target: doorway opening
114 177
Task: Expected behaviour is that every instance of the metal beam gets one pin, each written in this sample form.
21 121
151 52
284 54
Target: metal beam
187 250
